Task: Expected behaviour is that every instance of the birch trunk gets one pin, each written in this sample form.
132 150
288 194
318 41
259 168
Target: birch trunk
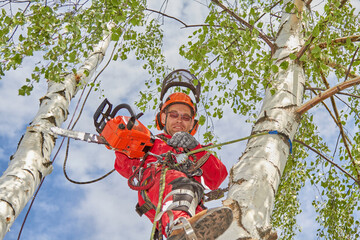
254 179
31 162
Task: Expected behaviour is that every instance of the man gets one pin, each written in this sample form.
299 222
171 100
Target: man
182 215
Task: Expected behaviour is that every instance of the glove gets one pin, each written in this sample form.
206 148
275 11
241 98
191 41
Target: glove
183 140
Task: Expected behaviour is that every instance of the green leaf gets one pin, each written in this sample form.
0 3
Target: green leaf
202 120
274 68
25 90
292 56
303 57
316 31
284 65
72 56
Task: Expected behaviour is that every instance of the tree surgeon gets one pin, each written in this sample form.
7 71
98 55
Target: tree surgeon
182 214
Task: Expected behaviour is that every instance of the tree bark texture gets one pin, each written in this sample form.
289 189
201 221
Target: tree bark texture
31 162
254 179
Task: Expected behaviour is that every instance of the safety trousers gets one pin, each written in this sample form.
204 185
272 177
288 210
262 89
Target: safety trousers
182 197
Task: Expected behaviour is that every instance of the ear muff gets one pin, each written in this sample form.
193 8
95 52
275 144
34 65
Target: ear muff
195 127
159 125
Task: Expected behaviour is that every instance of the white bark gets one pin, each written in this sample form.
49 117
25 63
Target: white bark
31 162
254 179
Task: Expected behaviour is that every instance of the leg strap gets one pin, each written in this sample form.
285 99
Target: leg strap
183 223
186 195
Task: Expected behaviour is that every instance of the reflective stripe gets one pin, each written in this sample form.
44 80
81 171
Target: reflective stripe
203 183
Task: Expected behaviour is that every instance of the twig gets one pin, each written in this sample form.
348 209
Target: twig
165 15
348 106
331 114
351 63
342 3
327 159
274 5
243 22
326 94
17 26
339 124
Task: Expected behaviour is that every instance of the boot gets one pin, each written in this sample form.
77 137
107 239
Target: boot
206 225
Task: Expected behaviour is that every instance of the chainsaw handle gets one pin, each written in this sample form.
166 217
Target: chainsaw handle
133 117
121 106
104 114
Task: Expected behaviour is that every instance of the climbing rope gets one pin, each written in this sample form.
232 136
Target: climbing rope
239 140
79 182
220 192
158 207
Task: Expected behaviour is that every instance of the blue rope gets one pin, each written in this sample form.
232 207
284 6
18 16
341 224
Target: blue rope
290 143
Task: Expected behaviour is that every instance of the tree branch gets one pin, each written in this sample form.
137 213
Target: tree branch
242 21
354 38
327 159
165 15
339 67
342 93
351 63
326 94
327 108
307 4
339 124
183 23
274 5
17 26
348 106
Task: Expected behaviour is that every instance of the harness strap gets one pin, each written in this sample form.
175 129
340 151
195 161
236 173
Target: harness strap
147 206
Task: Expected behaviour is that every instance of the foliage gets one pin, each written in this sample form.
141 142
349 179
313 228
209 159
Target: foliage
63 33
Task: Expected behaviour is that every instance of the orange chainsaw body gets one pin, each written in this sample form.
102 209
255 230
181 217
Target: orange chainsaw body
133 142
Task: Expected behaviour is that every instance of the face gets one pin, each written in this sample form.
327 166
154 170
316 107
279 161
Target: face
181 123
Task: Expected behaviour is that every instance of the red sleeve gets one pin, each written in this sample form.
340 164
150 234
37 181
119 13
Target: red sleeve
214 171
125 165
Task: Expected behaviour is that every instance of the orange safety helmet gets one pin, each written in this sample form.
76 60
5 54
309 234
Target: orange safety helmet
179 78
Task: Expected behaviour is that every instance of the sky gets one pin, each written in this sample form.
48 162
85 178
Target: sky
106 209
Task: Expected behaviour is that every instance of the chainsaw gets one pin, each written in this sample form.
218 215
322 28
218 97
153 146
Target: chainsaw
125 134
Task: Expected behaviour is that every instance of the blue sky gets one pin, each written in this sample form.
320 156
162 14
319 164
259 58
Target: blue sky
105 210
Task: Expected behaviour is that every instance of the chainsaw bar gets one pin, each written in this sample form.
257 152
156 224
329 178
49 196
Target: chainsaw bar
83 136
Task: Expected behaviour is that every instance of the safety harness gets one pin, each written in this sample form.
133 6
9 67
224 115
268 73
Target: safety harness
187 193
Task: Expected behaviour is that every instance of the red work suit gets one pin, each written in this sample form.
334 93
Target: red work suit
213 174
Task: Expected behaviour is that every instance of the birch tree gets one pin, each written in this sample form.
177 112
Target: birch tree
61 33
257 63
31 162
273 62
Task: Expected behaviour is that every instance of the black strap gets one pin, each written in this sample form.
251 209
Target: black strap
141 210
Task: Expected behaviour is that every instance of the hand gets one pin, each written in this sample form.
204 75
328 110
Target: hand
183 140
